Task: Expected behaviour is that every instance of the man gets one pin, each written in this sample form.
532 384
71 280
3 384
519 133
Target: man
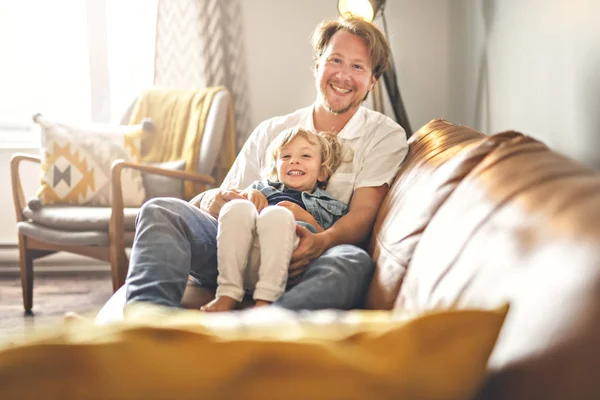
175 239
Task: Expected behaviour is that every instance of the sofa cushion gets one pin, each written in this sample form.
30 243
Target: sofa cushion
77 160
79 218
267 353
69 238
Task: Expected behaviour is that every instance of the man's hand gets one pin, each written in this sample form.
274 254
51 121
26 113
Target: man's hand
213 206
256 197
309 248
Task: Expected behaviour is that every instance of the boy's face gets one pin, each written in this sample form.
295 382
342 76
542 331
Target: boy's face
299 165
344 73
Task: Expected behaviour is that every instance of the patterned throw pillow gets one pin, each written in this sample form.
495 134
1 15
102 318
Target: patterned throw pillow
76 163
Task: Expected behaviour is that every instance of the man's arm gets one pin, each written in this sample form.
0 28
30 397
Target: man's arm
355 226
352 228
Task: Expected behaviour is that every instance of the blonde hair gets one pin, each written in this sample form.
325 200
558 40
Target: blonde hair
379 48
330 150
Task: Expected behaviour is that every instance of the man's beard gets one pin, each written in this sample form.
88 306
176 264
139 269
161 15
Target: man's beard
339 111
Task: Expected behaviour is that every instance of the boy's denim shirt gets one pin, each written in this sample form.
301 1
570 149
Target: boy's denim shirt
320 204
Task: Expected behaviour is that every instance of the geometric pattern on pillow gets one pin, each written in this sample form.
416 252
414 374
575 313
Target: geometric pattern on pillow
76 163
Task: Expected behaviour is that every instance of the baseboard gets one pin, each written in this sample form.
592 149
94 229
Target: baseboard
60 263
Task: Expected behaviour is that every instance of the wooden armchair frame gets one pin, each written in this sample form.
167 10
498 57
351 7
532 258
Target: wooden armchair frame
31 249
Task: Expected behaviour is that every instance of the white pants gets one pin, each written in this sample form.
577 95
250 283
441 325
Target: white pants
254 250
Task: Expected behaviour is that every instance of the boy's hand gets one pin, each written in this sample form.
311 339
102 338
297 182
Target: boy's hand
257 198
213 203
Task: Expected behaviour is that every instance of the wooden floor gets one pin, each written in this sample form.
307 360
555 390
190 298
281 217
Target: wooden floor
53 296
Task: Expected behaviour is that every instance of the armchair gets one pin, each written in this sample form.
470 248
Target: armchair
104 233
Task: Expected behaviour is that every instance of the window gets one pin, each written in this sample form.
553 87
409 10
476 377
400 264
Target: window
74 60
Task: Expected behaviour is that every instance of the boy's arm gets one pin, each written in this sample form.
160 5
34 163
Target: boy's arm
309 219
300 214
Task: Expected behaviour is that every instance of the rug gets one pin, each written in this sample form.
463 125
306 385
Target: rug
53 296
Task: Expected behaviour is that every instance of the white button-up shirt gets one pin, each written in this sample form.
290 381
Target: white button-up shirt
373 148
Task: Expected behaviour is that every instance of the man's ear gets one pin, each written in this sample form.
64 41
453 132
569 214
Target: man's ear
373 81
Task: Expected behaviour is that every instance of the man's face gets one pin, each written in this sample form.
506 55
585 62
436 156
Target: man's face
343 73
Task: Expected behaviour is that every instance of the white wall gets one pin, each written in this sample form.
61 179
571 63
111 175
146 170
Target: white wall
279 55
419 34
543 71
8 231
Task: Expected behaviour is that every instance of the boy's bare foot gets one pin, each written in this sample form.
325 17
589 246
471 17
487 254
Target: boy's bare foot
223 303
261 303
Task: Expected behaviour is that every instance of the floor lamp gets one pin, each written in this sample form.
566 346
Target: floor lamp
367 10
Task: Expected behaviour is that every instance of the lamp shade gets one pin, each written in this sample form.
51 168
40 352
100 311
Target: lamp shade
365 9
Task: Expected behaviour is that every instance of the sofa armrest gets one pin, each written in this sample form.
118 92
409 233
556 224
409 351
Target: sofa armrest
17 187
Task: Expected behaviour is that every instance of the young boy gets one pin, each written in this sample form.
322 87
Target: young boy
256 236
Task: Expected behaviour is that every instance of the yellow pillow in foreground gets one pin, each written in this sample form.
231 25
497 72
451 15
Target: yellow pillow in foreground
269 354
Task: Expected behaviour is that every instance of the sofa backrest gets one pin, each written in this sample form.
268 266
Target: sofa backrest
439 155
518 223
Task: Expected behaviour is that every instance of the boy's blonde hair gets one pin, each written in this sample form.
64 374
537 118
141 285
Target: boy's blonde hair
331 151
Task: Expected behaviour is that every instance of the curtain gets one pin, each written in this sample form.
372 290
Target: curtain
199 43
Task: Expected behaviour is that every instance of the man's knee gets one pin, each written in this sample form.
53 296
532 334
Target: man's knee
157 206
161 208
350 266
338 279
351 260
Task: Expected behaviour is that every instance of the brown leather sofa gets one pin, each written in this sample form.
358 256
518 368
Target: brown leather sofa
474 221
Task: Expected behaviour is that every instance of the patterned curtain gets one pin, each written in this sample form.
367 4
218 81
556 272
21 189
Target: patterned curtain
199 43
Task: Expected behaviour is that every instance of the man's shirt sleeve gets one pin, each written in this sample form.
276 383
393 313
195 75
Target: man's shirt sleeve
383 160
247 165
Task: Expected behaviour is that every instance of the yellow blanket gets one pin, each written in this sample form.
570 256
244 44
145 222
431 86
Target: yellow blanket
179 119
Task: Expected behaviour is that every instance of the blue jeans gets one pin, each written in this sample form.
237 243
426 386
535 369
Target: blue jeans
174 240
